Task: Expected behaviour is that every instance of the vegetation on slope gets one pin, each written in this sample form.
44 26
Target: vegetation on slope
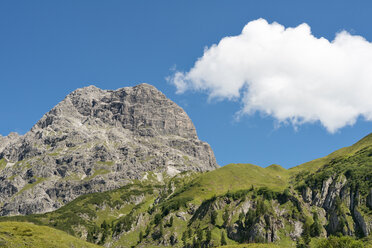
357 168
238 203
88 215
234 177
16 234
314 165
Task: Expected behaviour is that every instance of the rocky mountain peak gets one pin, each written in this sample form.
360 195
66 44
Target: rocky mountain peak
95 140
142 109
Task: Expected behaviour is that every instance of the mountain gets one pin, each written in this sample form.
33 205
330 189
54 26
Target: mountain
165 189
243 203
97 140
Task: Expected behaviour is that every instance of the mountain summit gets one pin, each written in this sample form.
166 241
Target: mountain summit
97 140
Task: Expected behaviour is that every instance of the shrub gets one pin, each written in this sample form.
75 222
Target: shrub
339 242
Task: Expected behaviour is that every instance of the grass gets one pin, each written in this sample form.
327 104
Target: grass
109 163
3 163
97 173
251 246
22 164
356 168
314 165
54 154
234 177
31 185
16 234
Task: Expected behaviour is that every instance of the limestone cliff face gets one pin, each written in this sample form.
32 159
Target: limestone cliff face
97 140
341 206
5 141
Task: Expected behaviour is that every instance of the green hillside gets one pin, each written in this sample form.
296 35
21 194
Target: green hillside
314 165
353 163
235 205
16 234
234 177
88 213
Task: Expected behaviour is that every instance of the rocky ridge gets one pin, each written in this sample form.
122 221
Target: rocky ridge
97 140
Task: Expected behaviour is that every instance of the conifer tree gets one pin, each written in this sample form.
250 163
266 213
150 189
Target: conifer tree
306 233
148 230
171 221
161 230
213 217
189 232
316 227
199 235
209 236
184 238
140 237
223 238
225 217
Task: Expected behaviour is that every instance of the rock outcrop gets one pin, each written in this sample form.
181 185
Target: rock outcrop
340 204
96 140
5 141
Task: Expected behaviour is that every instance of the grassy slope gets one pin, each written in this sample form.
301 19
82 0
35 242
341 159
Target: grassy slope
316 164
234 177
353 162
16 234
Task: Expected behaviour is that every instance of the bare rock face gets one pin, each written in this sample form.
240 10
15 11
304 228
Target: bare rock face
338 187
97 140
361 222
5 141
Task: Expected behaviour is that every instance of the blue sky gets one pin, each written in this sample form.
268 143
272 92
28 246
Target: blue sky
50 48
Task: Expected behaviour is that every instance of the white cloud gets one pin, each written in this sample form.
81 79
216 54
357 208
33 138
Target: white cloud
288 73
